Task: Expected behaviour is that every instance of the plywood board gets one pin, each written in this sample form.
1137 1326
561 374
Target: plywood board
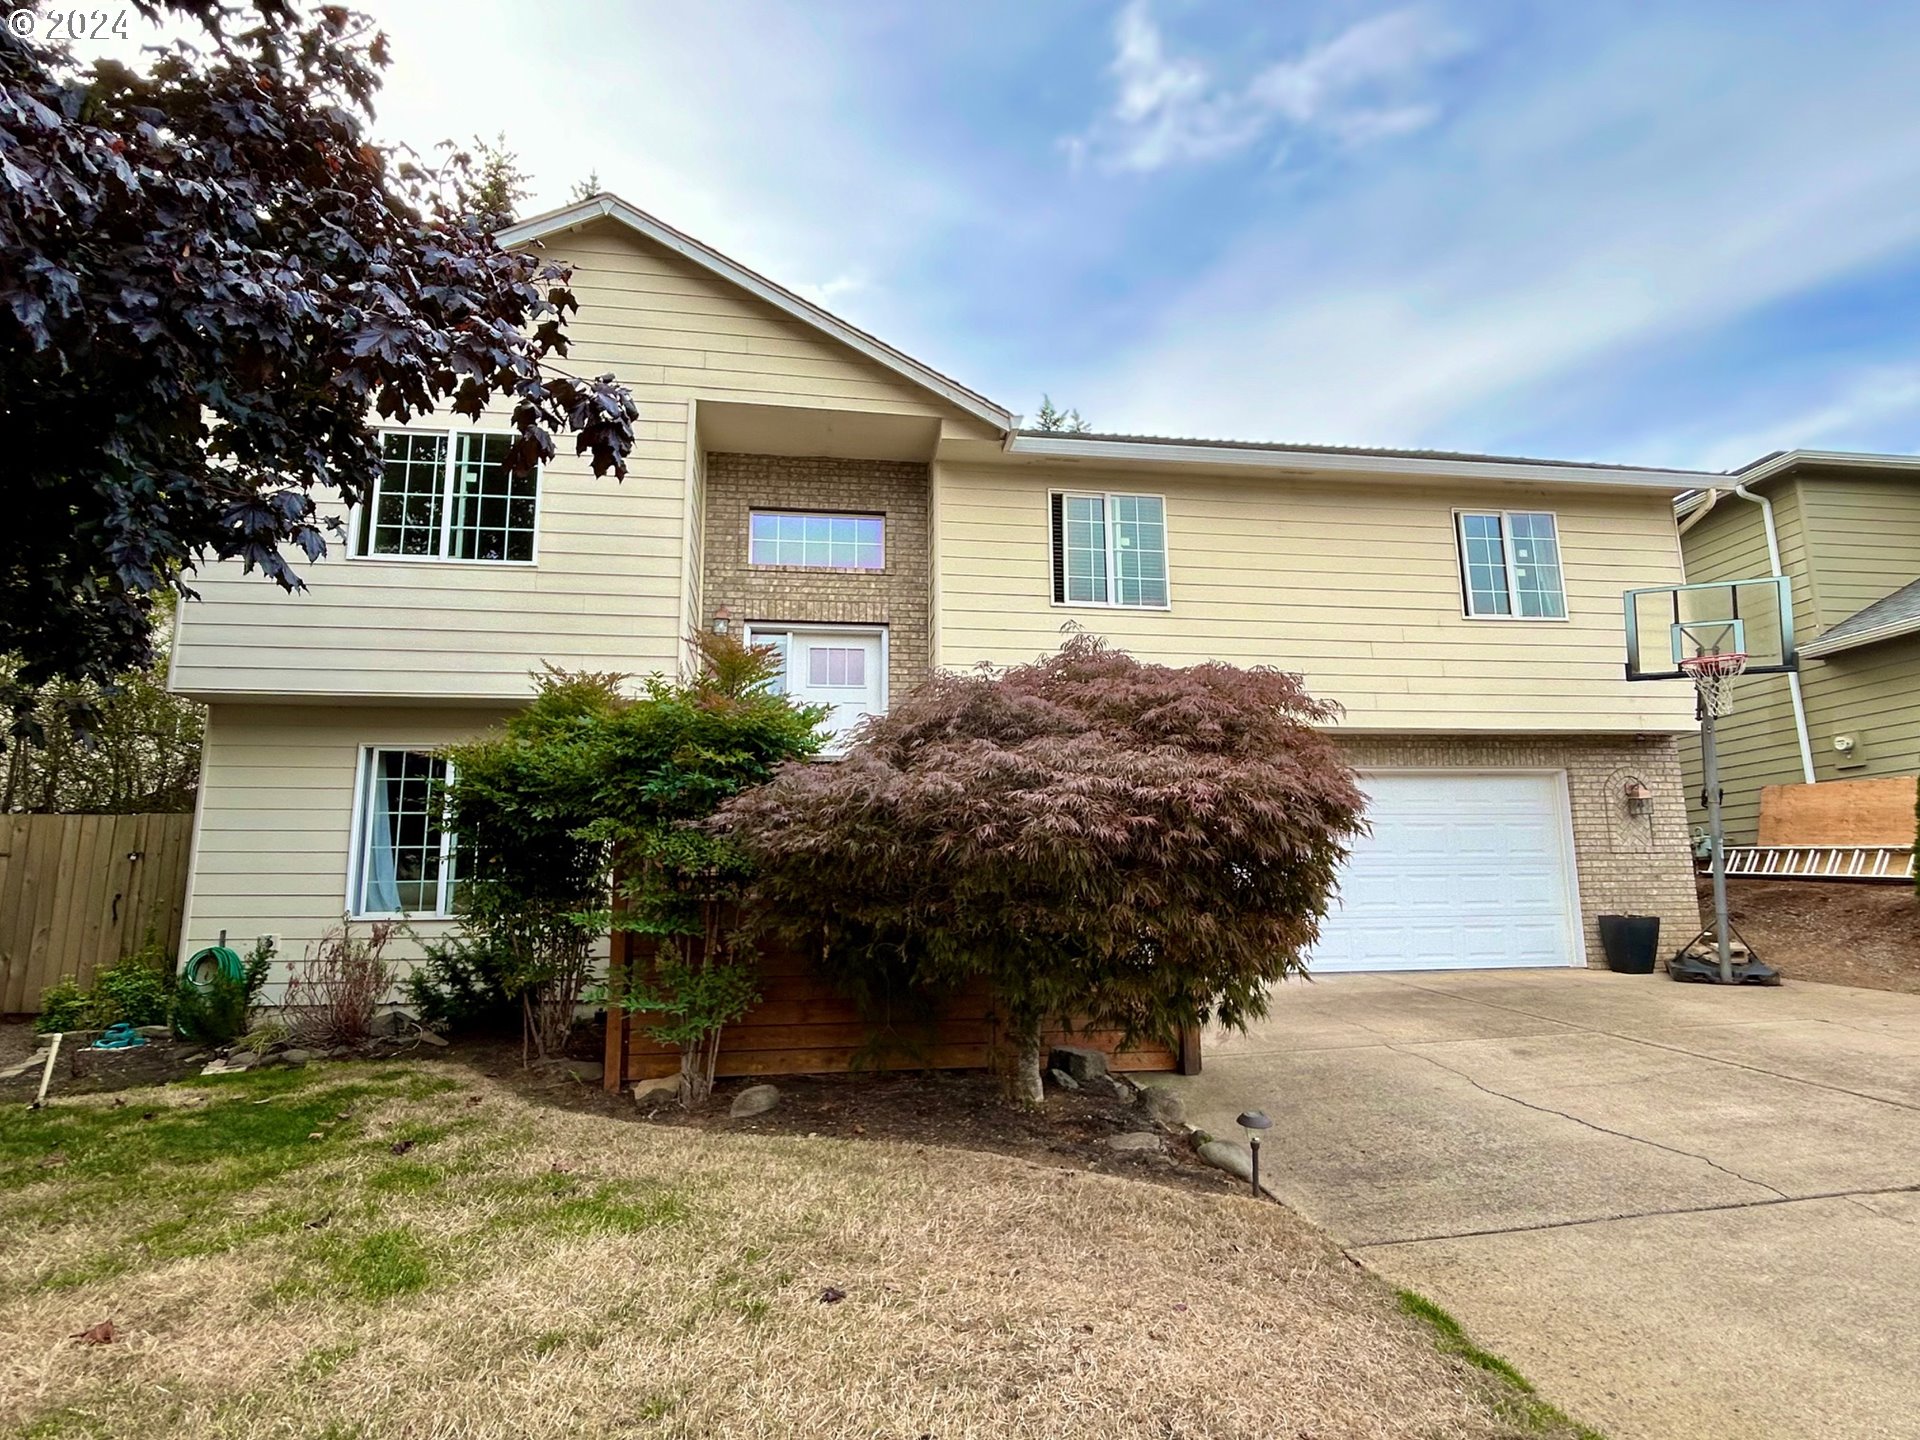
1839 812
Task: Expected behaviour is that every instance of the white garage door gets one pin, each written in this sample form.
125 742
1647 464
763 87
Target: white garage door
1461 872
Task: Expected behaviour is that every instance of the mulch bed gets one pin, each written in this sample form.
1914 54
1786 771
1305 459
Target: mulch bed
1829 931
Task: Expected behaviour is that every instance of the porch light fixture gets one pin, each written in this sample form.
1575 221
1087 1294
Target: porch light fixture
722 620
1639 797
1253 1122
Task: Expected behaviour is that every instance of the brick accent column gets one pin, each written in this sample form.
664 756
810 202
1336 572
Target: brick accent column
897 597
1627 864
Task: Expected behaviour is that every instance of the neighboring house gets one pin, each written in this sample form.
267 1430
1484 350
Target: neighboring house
1847 532
826 493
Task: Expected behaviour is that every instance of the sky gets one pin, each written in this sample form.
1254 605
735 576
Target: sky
1678 233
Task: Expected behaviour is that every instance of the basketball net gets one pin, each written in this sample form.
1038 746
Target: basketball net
1713 676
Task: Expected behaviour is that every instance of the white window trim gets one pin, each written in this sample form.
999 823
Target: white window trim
357 513
807 627
1506 548
886 549
357 854
1106 497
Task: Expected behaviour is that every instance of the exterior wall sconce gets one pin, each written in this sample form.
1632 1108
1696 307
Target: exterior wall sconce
722 620
1639 798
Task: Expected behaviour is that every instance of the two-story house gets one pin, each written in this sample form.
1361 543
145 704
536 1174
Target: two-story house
821 491
1845 529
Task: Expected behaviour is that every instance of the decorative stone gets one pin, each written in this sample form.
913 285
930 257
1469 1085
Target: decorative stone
1227 1156
1079 1061
432 1037
754 1100
1163 1104
295 1056
1134 1140
393 1023
1063 1080
154 1032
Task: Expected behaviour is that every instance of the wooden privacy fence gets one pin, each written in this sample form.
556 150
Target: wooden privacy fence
78 892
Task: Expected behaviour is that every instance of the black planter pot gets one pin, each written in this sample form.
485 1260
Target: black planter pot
1631 942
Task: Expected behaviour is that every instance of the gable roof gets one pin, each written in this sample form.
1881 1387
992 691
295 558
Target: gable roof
611 207
1888 619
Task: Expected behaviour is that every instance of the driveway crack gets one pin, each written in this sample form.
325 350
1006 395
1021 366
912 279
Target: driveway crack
1593 1125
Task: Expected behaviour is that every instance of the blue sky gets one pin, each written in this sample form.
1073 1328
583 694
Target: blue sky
1674 233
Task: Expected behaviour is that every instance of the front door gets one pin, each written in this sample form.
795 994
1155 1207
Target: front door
841 668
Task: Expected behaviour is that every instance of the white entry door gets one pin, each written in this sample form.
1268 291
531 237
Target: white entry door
841 668
1461 872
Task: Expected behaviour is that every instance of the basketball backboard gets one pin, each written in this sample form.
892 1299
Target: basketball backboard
1667 623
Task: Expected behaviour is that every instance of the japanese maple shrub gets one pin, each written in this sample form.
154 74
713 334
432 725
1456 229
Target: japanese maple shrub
1135 845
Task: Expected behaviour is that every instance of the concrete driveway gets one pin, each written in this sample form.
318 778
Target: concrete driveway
1682 1211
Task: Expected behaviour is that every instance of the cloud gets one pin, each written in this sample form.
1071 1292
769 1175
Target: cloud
1171 109
1863 404
1560 224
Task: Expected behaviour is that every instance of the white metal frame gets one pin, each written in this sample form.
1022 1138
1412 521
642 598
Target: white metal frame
356 514
357 841
1460 512
1575 916
886 549
1106 498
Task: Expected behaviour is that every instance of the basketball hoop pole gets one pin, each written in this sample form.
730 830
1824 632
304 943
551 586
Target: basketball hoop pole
1717 839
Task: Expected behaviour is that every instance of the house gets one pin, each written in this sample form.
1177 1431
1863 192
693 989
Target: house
828 494
1846 530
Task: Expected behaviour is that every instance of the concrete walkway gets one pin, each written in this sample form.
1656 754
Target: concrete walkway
1682 1211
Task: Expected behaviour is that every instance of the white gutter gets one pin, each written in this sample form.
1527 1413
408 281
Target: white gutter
1793 676
1892 630
1359 466
1699 510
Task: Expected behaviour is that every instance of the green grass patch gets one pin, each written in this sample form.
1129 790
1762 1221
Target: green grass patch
371 1268
1520 1402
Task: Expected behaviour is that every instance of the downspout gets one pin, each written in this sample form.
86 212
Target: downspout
1793 676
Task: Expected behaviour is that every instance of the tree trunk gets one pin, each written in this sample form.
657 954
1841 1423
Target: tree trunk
1023 1080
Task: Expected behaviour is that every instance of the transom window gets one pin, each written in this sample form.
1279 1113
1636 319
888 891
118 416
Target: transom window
1109 550
1510 565
449 496
817 541
408 862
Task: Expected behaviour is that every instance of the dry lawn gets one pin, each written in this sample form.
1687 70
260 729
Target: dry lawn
386 1250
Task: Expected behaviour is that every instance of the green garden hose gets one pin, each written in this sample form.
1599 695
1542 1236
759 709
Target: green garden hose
204 966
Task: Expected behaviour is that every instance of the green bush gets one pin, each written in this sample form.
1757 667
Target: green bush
218 1014
63 1006
464 983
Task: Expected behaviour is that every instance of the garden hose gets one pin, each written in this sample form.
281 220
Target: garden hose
119 1037
205 966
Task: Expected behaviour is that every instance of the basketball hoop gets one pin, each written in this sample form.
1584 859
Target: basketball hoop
1713 676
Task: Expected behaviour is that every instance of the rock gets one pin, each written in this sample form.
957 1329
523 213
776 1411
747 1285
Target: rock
586 1071
647 1094
1163 1104
1227 1156
394 1022
1134 1140
223 1067
154 1032
1079 1061
295 1056
14 1072
1063 1080
1109 1086
754 1100
433 1037
243 1060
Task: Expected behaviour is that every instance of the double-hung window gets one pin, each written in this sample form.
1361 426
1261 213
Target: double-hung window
1510 565
448 495
406 860
817 541
1109 550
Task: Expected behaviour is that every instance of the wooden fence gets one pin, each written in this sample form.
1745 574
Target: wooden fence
78 892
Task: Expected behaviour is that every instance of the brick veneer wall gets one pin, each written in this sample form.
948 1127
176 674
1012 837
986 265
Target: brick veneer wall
898 596
1627 864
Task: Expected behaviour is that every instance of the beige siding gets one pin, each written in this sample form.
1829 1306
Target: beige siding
1872 694
613 580
1758 745
1863 540
274 833
1356 586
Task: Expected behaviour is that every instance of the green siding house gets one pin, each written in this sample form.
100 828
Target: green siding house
1846 529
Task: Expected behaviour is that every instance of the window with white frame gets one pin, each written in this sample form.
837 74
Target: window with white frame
408 862
448 495
1109 550
817 541
1510 565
